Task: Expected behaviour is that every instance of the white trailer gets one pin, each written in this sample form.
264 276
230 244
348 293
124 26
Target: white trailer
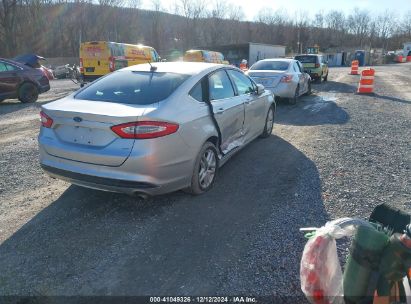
250 51
259 51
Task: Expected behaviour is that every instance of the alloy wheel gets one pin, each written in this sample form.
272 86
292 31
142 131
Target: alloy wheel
270 121
207 170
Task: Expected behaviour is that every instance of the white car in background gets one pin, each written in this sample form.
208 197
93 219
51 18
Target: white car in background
284 77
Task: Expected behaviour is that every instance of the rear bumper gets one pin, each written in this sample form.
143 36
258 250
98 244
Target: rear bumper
314 73
284 90
146 171
101 183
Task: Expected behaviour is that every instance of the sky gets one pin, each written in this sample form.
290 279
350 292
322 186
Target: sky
252 7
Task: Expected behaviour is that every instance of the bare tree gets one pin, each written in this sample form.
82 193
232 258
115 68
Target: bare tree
235 12
358 24
336 24
8 10
385 27
192 10
111 2
406 24
156 24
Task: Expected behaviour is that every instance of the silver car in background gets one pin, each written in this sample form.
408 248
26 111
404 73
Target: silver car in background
152 129
284 77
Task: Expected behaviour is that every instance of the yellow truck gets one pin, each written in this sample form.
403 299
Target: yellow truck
204 56
98 58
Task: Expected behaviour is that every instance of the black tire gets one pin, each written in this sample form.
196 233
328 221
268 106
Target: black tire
318 79
309 89
268 122
293 100
197 185
326 77
28 92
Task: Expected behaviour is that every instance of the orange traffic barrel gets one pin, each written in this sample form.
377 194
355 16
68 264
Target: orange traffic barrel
399 58
354 67
366 85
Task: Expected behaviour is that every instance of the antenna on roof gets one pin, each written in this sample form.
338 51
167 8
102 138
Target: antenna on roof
153 68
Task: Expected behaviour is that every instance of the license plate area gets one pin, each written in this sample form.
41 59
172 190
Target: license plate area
82 135
89 70
265 81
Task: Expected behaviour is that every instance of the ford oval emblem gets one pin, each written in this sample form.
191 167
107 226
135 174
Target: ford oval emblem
78 119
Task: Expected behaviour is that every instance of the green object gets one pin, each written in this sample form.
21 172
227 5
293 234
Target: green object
395 261
364 258
313 50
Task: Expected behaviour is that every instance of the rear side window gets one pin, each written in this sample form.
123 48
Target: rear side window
300 66
141 88
220 86
306 59
297 67
197 92
4 67
11 67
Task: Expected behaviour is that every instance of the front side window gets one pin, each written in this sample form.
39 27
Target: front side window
154 56
243 84
133 87
220 86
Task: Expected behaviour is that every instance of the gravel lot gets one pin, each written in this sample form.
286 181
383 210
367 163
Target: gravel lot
334 154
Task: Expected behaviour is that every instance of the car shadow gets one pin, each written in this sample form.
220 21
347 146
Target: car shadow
10 105
89 242
391 98
335 87
311 111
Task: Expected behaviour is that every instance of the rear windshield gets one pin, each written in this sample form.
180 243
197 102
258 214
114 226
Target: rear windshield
141 88
306 59
270 65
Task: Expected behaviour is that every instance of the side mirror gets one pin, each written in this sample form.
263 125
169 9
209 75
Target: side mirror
260 89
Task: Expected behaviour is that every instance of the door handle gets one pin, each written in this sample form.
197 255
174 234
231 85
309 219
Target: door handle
220 111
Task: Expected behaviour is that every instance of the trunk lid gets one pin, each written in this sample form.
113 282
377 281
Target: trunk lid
266 78
81 130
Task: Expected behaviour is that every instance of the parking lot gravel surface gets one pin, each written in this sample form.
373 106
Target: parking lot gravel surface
333 154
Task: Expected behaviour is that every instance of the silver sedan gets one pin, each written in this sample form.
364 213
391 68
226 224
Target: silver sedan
284 77
152 129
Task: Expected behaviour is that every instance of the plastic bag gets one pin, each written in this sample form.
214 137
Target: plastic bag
320 270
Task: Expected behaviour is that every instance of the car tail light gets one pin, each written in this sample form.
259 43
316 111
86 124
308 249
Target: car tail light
145 129
46 121
81 66
286 78
317 65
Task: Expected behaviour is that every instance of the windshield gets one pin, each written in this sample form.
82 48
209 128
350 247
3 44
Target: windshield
306 59
141 88
270 65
